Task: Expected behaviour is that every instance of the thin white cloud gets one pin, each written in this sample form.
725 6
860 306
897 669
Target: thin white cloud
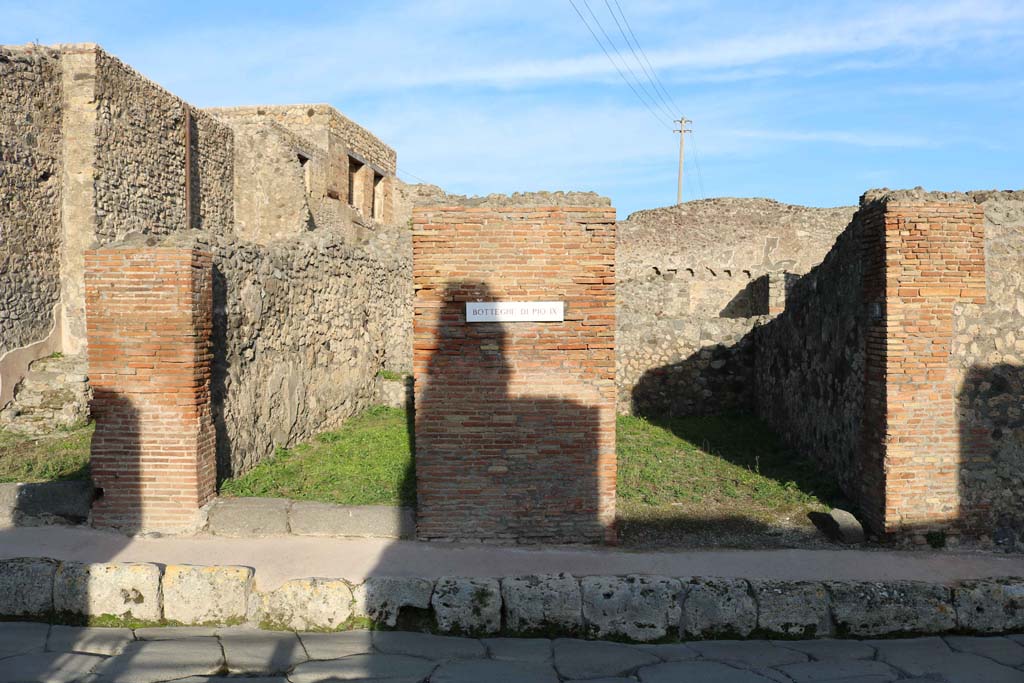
855 138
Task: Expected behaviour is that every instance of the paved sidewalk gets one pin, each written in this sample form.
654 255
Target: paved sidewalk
37 653
277 559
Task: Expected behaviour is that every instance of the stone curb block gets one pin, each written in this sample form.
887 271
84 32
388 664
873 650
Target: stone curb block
642 608
304 605
718 608
200 595
375 521
382 598
121 589
542 604
26 587
866 609
248 517
470 606
638 608
990 606
52 502
792 609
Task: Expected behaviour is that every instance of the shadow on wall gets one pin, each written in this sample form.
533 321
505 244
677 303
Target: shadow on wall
715 380
115 461
492 464
991 426
750 301
219 386
987 407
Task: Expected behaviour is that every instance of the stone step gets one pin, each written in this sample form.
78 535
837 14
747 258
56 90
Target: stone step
54 393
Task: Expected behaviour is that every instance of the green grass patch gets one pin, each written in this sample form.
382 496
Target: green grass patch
713 481
391 375
712 460
368 461
62 455
677 477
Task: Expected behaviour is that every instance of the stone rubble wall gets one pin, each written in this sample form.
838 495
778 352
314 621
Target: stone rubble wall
810 367
694 281
141 159
302 327
213 174
636 608
897 364
988 362
30 193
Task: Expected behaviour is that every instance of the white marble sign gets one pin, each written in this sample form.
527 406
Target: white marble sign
514 311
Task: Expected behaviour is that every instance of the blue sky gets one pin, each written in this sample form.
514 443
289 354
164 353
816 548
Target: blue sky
804 102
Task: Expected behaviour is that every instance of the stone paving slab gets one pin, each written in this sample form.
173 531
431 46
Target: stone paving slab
705 672
830 649
231 655
426 645
48 667
748 653
590 659
98 641
20 637
371 667
162 660
478 670
1001 650
251 651
337 645
810 672
536 650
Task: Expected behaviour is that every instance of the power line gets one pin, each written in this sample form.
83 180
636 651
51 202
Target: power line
601 45
666 107
646 59
404 172
611 43
696 162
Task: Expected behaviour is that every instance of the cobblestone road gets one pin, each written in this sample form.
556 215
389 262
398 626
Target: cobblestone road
37 653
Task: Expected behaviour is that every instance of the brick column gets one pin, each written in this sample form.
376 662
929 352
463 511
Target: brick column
515 421
934 259
149 321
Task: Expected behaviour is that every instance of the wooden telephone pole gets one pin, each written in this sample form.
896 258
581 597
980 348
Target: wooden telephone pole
683 130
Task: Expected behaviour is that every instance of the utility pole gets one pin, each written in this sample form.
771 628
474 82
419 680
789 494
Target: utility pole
683 130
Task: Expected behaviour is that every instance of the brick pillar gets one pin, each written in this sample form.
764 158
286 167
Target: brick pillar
515 421
934 259
149 321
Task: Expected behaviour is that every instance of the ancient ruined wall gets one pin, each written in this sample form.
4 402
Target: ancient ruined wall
213 172
694 280
272 197
910 391
301 329
339 139
140 154
515 422
30 193
988 359
141 160
809 383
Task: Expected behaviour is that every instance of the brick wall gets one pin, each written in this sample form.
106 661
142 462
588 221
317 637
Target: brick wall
934 260
148 319
858 371
515 422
